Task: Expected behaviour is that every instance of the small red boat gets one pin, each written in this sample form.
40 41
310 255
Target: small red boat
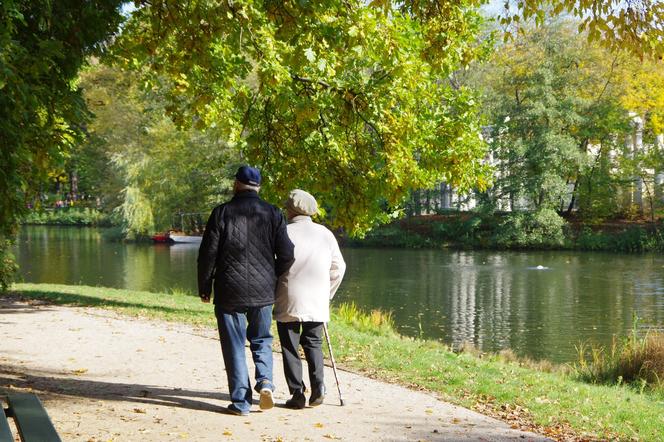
162 237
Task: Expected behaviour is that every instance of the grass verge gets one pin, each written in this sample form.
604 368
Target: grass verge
554 404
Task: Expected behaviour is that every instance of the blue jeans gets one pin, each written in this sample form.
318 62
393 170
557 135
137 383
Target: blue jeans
235 327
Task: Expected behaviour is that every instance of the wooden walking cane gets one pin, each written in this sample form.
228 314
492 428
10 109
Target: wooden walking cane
334 365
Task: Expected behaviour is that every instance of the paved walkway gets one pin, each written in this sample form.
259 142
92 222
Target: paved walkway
103 377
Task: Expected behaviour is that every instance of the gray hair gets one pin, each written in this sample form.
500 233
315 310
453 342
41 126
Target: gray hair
240 186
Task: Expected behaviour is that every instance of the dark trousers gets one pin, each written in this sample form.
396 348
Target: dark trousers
309 335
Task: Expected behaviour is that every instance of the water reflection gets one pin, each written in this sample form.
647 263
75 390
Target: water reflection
499 300
495 300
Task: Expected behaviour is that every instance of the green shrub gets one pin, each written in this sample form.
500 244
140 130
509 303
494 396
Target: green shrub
8 264
632 239
394 236
589 240
541 229
458 231
68 217
638 239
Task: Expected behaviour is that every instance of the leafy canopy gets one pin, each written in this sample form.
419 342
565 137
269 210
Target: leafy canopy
348 100
634 25
43 44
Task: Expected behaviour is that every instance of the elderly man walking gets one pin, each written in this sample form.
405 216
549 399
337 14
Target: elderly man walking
245 248
303 297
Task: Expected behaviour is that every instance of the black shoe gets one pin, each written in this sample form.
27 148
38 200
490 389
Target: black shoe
297 402
317 396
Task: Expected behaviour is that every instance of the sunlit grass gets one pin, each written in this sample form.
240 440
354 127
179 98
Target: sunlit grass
375 322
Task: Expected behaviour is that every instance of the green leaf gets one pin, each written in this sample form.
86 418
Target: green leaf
310 54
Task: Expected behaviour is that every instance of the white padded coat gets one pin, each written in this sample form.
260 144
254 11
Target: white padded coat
304 291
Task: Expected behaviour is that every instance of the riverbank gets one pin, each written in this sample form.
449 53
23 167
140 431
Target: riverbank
515 231
553 404
459 230
105 377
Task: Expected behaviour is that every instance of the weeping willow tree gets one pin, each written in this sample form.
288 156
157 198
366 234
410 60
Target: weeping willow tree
156 170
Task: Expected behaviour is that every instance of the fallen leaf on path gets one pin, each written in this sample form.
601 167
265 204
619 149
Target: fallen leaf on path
80 371
139 410
318 425
428 411
330 436
227 432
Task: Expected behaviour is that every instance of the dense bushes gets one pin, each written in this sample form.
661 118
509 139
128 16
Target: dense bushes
632 239
393 235
543 229
69 217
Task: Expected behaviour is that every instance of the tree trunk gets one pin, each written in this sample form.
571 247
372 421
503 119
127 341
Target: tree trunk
573 199
73 185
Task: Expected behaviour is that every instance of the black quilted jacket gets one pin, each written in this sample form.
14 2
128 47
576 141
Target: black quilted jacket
245 249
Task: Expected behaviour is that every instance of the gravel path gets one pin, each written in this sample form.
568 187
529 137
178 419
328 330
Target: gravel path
103 377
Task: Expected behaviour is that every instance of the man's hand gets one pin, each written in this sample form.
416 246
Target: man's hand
205 298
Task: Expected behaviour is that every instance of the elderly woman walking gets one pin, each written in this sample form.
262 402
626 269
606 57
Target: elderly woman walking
303 297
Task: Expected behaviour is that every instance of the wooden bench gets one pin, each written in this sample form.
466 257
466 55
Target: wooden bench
30 417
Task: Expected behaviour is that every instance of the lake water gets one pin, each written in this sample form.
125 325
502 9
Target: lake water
539 304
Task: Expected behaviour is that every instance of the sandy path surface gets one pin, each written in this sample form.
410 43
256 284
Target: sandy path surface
103 377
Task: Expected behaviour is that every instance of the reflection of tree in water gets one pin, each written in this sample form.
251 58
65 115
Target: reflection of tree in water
140 267
462 295
499 300
68 255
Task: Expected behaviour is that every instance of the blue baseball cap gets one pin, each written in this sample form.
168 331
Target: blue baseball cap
248 175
